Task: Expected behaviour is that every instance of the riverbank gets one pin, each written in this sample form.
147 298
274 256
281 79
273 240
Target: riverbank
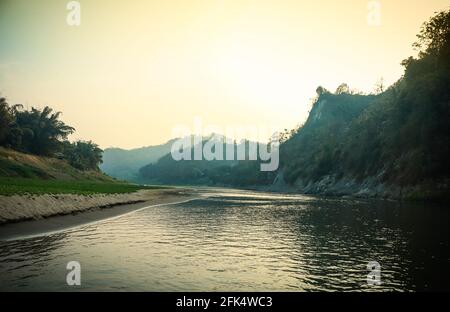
24 215
369 188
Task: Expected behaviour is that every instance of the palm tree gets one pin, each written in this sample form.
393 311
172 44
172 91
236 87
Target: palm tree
41 130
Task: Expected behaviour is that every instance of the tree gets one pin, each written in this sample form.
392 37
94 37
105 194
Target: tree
343 89
434 37
6 118
40 131
321 90
379 86
83 155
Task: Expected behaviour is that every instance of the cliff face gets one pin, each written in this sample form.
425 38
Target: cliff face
392 145
313 151
330 109
395 144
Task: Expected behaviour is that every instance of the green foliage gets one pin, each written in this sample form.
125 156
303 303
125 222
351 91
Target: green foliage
9 168
12 186
38 132
310 152
83 155
408 129
6 118
41 132
434 37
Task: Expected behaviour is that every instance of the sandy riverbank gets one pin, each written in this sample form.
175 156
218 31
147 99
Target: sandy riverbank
28 215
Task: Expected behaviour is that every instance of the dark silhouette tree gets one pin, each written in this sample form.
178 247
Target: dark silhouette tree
39 132
343 89
6 118
321 91
83 155
434 36
379 86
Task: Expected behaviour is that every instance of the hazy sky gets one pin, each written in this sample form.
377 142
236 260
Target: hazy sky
134 70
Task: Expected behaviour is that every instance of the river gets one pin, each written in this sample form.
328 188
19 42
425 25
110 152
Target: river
231 240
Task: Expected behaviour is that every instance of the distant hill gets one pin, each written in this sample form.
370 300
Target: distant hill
203 172
125 164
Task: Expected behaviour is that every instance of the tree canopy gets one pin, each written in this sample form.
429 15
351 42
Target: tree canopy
42 132
434 36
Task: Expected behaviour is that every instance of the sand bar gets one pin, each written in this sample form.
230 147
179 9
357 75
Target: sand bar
33 215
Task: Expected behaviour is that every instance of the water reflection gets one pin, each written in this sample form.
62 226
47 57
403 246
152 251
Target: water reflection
237 240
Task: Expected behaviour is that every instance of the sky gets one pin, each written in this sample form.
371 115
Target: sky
133 71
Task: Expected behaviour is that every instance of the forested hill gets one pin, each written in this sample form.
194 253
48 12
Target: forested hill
394 143
125 164
34 144
311 151
397 146
204 172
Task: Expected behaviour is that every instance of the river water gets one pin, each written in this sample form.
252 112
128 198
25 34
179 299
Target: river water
232 240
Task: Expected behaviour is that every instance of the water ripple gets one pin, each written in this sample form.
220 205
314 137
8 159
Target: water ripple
236 240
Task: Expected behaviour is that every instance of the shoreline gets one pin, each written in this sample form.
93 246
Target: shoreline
43 225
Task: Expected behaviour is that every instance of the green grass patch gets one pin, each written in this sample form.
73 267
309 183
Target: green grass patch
12 186
10 168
